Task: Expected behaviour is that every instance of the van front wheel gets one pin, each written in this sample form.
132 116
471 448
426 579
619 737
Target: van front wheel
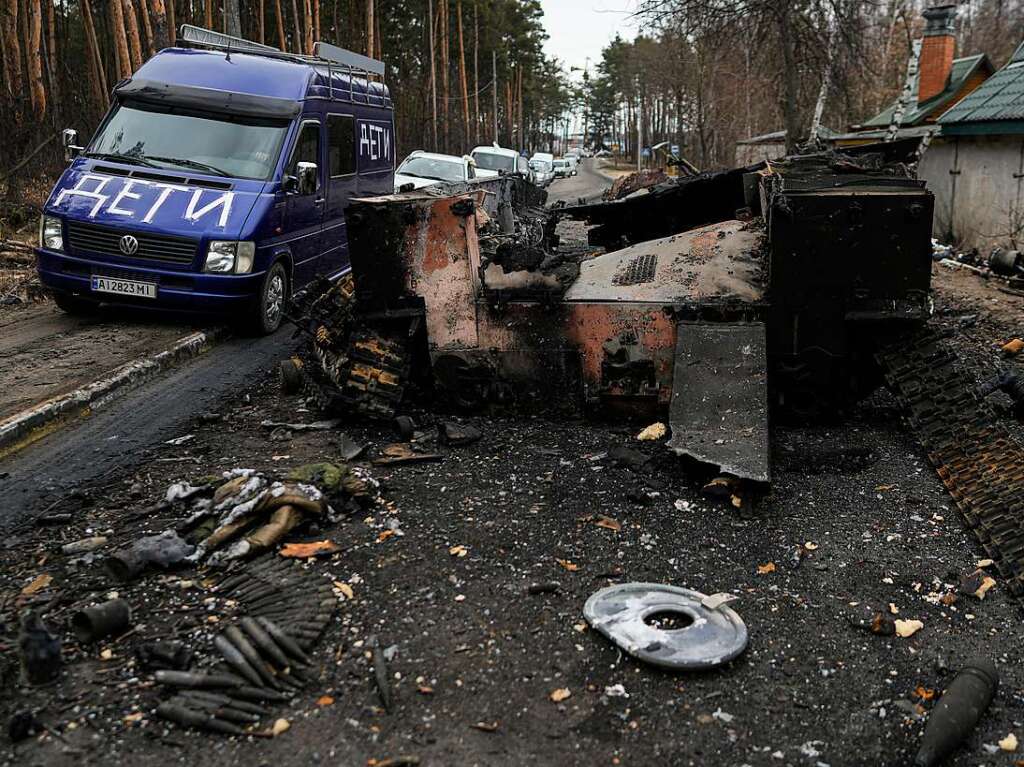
272 301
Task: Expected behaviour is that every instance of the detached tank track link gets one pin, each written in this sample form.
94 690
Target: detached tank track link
978 460
369 379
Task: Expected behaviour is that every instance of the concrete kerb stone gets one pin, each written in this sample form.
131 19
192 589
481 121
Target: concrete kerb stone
21 429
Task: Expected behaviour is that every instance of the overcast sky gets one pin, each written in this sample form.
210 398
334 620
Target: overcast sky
581 28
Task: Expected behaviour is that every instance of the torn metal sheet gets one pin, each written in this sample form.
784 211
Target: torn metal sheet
719 409
691 635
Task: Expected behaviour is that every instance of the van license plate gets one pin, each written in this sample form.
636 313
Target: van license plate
124 287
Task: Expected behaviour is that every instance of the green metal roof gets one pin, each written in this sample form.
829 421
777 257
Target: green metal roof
1000 97
916 113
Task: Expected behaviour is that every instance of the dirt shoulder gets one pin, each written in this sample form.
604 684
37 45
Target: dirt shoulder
45 353
477 657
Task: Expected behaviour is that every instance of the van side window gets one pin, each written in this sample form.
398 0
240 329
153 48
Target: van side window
341 144
307 147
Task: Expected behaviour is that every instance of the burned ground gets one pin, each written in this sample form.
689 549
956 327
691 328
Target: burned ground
477 656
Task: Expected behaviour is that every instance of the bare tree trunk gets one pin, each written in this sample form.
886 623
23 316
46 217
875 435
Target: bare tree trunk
232 18
297 41
476 72
147 28
445 93
168 17
462 78
52 55
34 51
158 11
117 27
209 14
307 27
369 28
316 22
99 77
132 26
11 49
433 69
519 112
282 42
790 117
261 30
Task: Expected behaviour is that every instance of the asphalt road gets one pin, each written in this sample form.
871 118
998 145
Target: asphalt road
587 183
117 438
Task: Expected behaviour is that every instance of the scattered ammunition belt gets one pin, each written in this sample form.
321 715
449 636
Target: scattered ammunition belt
979 461
264 656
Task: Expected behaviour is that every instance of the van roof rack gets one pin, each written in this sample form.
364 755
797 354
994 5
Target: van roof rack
324 54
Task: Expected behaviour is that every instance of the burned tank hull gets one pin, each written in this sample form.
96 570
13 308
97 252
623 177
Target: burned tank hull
711 329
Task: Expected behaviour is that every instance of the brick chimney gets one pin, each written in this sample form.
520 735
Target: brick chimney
937 50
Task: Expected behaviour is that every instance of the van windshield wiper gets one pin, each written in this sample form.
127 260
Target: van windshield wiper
120 157
191 164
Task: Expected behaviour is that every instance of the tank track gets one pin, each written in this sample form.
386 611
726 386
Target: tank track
978 460
369 379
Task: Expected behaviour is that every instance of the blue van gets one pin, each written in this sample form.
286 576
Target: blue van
217 181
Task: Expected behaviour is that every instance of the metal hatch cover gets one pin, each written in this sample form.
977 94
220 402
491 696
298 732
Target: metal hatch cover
719 408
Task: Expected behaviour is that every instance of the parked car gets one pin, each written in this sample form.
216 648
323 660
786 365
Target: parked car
602 153
495 160
561 168
574 161
421 169
543 173
218 180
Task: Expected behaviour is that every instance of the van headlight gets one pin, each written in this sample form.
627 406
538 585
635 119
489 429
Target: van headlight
225 256
51 233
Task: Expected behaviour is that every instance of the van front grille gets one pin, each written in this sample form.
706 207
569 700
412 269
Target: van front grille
102 240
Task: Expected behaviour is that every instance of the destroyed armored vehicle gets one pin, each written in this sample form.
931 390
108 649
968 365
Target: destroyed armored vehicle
768 296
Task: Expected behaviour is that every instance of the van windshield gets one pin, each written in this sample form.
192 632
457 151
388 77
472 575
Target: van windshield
492 161
222 145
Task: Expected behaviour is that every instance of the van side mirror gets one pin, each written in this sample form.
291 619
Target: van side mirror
69 138
305 178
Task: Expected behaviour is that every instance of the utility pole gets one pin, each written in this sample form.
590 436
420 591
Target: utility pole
494 91
433 72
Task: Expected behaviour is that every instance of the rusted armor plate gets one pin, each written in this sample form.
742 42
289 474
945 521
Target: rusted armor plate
719 408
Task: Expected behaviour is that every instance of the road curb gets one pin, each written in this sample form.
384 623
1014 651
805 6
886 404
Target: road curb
24 428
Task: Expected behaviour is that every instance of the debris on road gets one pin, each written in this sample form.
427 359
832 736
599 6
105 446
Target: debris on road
627 614
958 711
103 620
164 551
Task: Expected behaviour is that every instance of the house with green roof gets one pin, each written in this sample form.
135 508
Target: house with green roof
976 174
935 82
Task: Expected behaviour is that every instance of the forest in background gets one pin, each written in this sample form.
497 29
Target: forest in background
702 74
455 67
707 73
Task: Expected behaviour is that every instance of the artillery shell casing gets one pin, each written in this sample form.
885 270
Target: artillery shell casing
263 641
191 679
216 709
285 642
235 636
380 674
225 700
958 711
259 694
189 717
236 660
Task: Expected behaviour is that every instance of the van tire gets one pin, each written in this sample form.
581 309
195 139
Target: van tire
75 306
272 301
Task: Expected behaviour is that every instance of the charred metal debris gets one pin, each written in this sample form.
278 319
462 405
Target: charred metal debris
261 605
731 296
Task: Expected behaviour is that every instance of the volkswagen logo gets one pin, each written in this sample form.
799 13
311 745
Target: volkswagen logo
128 245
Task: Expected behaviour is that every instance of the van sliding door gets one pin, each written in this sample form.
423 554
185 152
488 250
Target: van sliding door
341 187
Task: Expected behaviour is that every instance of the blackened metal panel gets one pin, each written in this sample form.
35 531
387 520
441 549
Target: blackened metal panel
719 409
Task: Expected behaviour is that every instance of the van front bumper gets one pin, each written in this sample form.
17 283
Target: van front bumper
180 290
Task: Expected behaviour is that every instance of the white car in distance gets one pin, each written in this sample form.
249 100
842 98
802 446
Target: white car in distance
423 169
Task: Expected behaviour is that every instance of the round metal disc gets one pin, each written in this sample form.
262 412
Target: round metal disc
714 637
